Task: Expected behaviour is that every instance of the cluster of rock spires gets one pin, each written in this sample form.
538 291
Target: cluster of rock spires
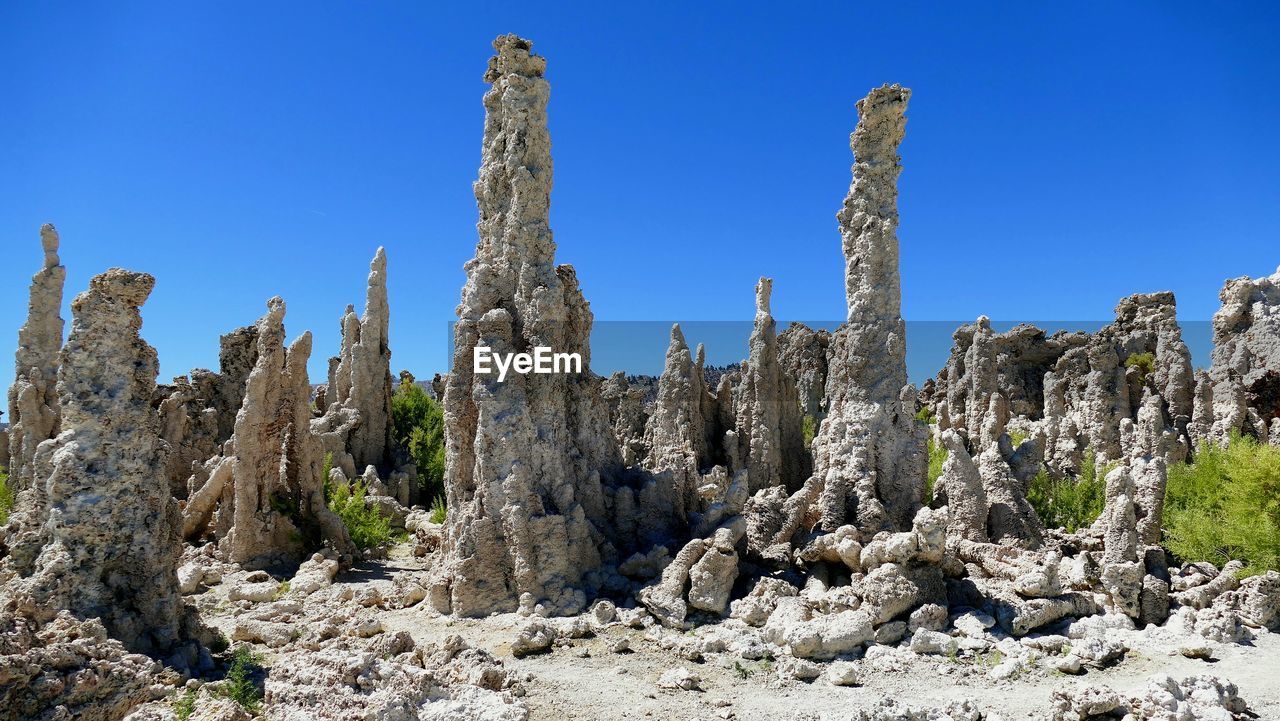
708 503
567 489
112 472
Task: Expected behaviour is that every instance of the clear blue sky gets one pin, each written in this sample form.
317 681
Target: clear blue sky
1058 156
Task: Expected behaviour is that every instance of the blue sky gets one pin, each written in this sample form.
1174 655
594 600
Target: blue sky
1058 156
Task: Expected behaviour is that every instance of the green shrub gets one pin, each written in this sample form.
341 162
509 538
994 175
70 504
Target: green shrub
241 686
417 427
1226 506
368 527
325 471
925 415
1144 362
185 706
281 591
437 510
809 428
219 642
937 456
1070 503
6 498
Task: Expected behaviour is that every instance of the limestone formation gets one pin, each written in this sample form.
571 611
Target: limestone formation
628 416
1245 374
802 352
268 495
960 488
67 668
869 454
110 546
1010 517
1121 571
370 372
675 442
198 411
768 410
1078 386
981 361
1105 380
33 399
527 458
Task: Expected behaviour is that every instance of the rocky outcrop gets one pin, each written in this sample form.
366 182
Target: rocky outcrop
527 458
1079 387
268 493
110 546
369 360
356 424
1196 697
68 668
676 444
981 361
869 454
768 410
802 352
198 411
1105 380
960 489
628 416
1245 374
33 400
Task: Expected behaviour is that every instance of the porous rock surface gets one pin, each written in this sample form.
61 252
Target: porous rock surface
1243 384
254 500
524 516
109 548
33 401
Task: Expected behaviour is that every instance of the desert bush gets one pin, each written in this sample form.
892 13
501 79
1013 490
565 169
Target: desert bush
417 426
937 456
6 498
241 686
368 528
1226 506
809 428
437 510
1070 503
185 706
1144 362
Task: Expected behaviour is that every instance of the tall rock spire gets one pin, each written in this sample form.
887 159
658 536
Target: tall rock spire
769 420
527 512
870 452
33 398
371 373
110 547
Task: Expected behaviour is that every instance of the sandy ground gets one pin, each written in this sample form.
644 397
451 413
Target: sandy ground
584 680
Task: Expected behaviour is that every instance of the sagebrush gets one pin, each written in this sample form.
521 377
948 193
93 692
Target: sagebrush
1070 502
6 498
368 528
417 427
1226 506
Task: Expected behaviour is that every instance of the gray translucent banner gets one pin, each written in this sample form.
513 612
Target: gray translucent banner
639 346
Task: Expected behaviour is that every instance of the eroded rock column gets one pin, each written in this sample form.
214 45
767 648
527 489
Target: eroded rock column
370 442
524 456
870 452
110 546
33 398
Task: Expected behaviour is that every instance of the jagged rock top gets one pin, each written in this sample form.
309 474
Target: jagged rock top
123 286
49 241
870 211
515 56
